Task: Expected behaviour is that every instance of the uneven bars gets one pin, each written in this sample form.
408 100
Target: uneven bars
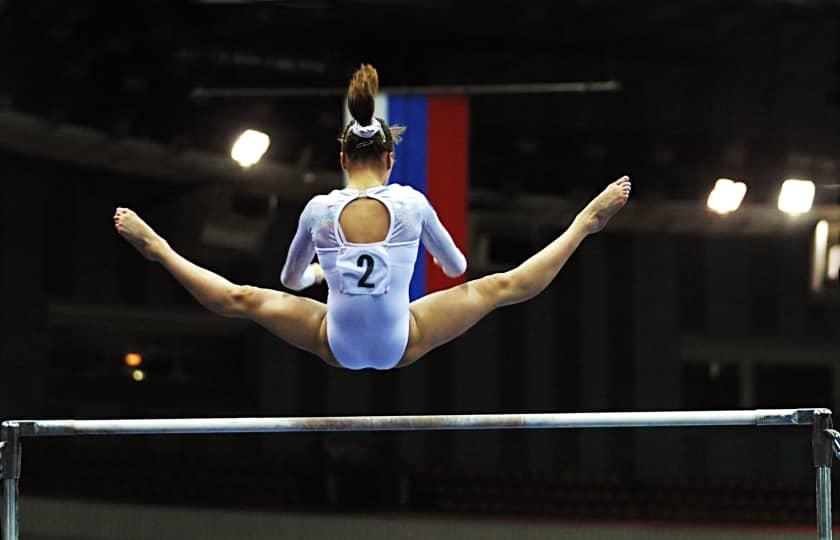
760 417
822 436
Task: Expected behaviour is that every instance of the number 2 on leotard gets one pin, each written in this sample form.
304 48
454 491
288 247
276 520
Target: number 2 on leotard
365 260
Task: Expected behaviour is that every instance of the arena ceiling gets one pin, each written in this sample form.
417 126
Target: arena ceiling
709 88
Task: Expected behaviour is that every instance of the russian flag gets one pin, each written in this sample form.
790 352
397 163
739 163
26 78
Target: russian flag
432 158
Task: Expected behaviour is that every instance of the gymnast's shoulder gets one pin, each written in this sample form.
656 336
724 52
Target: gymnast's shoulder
406 193
323 200
318 206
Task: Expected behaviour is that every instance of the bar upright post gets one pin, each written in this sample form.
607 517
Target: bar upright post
821 445
10 461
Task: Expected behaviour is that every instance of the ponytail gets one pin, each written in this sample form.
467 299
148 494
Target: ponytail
360 96
367 137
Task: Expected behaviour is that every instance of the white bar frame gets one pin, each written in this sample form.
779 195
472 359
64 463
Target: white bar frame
819 419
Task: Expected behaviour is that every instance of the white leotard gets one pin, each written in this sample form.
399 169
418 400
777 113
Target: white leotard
367 305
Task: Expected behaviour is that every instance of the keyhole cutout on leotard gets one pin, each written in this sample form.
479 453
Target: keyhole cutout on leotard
365 221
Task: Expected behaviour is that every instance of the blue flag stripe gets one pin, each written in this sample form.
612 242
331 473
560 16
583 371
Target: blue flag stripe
411 164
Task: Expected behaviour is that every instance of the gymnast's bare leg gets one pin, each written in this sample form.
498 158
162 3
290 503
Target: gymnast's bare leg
299 321
442 316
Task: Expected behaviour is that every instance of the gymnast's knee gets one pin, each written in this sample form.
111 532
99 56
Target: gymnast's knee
241 301
500 288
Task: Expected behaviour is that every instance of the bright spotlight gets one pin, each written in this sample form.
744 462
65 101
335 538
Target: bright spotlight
726 196
797 196
818 265
138 375
833 271
250 147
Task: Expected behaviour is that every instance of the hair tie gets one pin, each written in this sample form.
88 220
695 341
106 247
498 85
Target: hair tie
369 131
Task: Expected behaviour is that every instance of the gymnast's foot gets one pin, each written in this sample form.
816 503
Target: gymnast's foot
599 211
139 234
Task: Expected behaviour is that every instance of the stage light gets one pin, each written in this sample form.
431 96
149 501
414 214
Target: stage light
138 375
818 265
250 147
796 196
726 196
833 270
133 359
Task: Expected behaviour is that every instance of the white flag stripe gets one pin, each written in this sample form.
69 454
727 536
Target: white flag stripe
380 110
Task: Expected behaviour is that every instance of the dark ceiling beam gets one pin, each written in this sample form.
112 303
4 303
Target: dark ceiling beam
533 215
33 136
250 60
582 87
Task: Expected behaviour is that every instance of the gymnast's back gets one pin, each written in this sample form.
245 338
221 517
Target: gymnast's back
368 302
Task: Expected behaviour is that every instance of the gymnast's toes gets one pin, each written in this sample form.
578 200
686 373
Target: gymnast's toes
137 232
603 207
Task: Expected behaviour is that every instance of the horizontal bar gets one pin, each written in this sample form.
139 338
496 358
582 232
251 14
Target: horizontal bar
468 89
765 417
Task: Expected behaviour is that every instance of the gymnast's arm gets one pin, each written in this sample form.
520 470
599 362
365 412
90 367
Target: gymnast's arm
439 243
298 273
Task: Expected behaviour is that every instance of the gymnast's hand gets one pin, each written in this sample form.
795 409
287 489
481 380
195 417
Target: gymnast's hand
318 271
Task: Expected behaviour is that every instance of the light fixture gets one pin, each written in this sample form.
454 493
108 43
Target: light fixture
138 375
726 196
833 270
818 264
796 196
250 147
133 359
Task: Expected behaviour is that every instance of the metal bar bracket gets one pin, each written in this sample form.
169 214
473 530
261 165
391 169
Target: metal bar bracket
834 435
823 440
10 451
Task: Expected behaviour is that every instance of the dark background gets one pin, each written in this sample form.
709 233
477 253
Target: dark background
671 308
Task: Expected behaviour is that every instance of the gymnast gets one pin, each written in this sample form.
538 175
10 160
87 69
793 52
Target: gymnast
366 238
